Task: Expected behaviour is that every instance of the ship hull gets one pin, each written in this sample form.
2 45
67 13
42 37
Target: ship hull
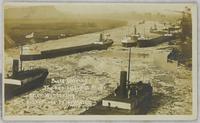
132 44
66 51
139 105
76 49
134 100
154 41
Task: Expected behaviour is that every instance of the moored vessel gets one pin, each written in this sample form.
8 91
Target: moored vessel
101 44
22 81
127 98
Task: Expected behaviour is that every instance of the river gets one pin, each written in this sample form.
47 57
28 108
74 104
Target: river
76 82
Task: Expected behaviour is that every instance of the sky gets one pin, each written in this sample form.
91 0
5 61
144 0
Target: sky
119 7
90 8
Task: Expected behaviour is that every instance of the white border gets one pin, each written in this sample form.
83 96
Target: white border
123 117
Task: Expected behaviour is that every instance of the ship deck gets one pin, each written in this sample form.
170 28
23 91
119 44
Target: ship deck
65 42
98 109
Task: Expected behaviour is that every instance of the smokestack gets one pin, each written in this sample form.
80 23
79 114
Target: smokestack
123 79
101 37
135 30
15 67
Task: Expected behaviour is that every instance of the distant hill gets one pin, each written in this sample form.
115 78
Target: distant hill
48 23
33 12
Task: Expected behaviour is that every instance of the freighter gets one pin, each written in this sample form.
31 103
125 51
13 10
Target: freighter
149 42
102 44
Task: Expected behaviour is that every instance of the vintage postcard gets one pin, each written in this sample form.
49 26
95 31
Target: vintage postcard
102 61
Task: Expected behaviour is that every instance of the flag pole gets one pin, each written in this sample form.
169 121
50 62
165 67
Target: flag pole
129 65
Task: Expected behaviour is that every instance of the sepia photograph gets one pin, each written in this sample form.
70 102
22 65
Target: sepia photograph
100 61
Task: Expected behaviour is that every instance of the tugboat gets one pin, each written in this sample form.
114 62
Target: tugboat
128 98
135 97
22 81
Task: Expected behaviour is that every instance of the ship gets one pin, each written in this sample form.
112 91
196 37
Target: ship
127 99
161 31
102 44
24 80
136 102
154 29
184 23
183 53
149 42
130 40
141 22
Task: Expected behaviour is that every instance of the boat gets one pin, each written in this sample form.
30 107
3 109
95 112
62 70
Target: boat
141 22
159 31
127 98
129 41
149 42
23 81
101 44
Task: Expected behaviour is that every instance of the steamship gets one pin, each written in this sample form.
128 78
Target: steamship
102 44
149 42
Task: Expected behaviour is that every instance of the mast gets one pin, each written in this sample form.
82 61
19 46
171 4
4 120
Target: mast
129 65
